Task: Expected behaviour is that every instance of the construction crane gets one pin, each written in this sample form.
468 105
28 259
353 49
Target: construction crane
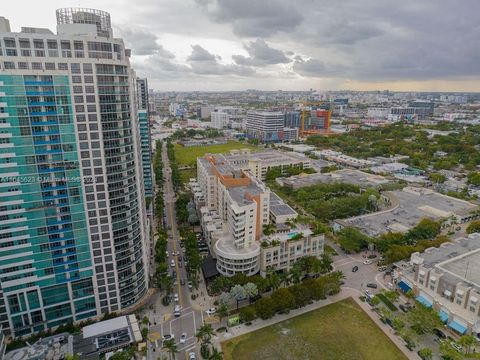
326 114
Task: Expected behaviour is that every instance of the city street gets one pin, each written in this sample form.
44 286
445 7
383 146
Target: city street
161 317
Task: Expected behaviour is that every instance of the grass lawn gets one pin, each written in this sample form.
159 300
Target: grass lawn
187 156
186 175
337 331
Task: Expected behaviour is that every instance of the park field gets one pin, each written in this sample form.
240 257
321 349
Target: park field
338 331
187 156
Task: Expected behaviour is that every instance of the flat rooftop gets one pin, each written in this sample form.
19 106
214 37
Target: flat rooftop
465 267
410 206
349 176
269 157
278 207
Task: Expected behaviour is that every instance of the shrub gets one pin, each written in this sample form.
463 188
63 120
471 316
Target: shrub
265 308
387 302
247 314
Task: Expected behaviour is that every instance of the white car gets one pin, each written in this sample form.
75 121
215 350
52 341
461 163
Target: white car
183 338
175 297
172 263
211 311
191 356
367 262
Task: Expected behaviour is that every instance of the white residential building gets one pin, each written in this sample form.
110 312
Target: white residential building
235 206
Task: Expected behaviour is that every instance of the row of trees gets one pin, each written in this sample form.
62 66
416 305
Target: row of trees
394 246
192 253
298 295
408 140
176 180
304 267
333 201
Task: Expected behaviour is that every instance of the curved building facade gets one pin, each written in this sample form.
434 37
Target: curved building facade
67 102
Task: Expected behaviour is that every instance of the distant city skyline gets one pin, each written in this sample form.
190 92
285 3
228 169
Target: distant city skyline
218 45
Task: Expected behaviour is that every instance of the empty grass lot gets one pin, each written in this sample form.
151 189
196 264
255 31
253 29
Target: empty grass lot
187 156
337 331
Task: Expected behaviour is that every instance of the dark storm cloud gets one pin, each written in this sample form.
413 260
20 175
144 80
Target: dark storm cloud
142 42
255 18
261 54
368 40
203 62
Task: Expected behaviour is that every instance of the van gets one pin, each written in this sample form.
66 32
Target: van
176 311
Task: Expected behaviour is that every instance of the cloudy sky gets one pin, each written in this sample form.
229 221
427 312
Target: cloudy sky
289 44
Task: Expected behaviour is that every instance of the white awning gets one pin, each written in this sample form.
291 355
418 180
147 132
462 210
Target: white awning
460 292
433 278
447 293
473 299
421 272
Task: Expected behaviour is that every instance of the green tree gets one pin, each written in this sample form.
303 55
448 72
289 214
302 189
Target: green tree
425 353
171 348
283 300
449 353
265 308
247 314
474 178
468 342
352 240
251 289
437 178
238 293
375 301
204 334
423 319
222 310
473 227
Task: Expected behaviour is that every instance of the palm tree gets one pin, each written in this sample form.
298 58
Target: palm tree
171 347
205 333
216 355
274 280
467 341
284 278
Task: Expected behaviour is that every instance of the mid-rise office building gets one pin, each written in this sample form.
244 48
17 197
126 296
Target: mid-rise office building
219 119
73 232
145 135
265 126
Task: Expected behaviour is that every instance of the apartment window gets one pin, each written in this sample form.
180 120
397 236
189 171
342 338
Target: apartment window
49 66
87 69
75 68
24 43
38 44
23 65
9 42
11 52
40 53
37 66
76 79
25 52
52 44
9 65
62 66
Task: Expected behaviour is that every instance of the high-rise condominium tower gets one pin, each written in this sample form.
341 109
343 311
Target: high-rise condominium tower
72 225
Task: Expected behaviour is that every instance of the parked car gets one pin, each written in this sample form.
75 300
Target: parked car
367 262
403 308
168 337
372 285
211 311
190 285
456 346
382 268
176 311
355 269
182 281
179 264
439 333
191 356
172 263
183 338
175 297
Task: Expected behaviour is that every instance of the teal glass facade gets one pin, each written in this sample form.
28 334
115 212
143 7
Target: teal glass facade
46 271
146 151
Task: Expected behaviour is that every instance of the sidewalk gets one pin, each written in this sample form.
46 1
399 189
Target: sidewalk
344 294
